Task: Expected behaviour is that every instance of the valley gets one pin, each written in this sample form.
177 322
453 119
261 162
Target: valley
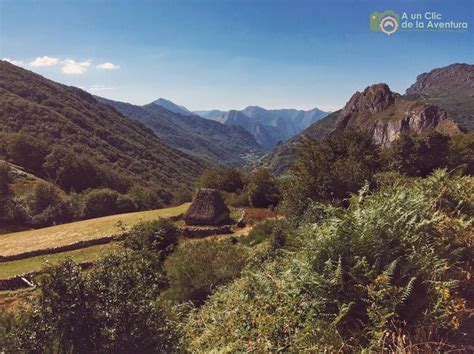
188 227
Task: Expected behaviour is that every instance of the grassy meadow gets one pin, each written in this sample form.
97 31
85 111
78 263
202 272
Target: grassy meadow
60 235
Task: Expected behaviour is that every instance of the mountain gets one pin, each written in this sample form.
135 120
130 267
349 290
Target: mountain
219 143
269 127
214 114
71 119
385 114
280 158
451 88
378 110
171 106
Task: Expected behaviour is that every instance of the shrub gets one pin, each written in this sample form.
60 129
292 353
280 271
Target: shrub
236 200
461 153
392 264
100 202
196 269
44 195
112 309
263 190
156 239
260 232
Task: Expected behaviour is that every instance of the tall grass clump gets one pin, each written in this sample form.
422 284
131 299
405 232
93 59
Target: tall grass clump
394 264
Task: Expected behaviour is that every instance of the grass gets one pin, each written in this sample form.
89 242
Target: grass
35 264
60 235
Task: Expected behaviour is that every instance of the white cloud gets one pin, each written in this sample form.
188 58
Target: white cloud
99 88
71 67
14 62
44 61
108 66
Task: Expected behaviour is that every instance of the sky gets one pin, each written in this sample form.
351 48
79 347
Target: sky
223 54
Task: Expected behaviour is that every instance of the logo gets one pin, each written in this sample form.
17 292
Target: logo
386 22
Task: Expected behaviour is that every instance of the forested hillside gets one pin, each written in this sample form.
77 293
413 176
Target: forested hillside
78 142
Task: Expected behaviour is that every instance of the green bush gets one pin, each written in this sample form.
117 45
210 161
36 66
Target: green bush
196 269
260 233
112 309
391 265
156 239
263 190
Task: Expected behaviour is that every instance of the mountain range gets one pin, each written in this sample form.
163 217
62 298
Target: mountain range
216 142
268 126
165 145
442 99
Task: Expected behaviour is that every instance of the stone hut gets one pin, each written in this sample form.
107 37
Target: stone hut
207 208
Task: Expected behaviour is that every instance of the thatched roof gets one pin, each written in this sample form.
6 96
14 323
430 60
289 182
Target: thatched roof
207 208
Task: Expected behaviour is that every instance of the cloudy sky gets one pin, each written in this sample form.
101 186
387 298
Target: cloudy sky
228 54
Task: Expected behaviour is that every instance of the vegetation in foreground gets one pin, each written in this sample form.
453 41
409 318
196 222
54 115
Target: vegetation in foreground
377 259
391 270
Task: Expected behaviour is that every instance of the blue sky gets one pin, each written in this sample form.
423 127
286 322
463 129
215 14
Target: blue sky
228 54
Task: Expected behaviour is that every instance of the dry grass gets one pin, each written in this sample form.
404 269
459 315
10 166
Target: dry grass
256 215
35 264
61 235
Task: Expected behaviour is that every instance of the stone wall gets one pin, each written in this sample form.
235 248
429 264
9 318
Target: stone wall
195 231
65 248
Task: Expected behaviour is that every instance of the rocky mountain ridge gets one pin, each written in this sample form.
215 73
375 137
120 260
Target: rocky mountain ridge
442 99
386 115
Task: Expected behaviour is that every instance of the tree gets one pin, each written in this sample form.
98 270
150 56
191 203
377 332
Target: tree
461 153
42 196
263 190
226 179
70 171
148 198
26 151
418 155
331 169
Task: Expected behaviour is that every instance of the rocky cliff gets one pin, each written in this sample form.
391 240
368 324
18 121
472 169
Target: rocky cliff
386 115
451 88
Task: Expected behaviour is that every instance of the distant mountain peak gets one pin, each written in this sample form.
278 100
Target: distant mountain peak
171 106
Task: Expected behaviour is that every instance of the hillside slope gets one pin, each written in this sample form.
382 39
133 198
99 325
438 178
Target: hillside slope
70 118
195 135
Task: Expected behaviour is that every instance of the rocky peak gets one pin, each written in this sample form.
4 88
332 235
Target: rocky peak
386 114
373 99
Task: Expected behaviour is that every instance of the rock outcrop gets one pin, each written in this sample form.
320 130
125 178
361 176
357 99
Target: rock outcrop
386 115
452 89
